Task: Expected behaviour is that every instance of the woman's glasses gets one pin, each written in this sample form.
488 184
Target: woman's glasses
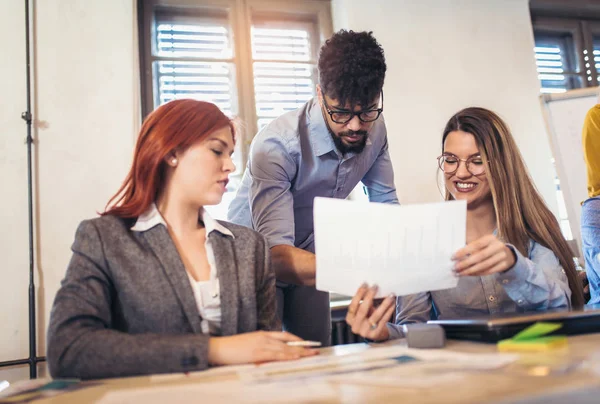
449 164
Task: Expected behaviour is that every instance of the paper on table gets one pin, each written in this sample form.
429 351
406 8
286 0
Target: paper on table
378 361
402 249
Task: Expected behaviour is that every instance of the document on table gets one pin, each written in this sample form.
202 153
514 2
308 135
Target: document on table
382 362
314 379
428 367
402 249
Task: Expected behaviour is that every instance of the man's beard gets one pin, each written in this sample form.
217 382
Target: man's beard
344 148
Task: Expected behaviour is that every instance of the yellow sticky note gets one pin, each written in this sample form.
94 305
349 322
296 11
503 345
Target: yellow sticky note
534 339
540 344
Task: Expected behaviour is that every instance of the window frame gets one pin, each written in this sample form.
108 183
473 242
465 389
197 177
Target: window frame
582 31
591 30
547 27
241 14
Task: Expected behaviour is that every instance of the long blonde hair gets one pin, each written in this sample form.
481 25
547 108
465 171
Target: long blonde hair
521 213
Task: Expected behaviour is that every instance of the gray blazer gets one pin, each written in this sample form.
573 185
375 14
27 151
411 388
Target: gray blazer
126 306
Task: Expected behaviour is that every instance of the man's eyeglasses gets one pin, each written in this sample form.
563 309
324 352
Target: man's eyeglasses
449 164
346 116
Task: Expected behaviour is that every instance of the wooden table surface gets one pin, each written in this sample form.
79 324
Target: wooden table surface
571 371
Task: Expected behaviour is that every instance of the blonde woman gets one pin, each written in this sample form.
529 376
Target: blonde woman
516 258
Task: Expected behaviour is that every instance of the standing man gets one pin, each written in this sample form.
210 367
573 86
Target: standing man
325 148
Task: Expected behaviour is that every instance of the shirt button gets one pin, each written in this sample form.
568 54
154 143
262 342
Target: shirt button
492 298
504 281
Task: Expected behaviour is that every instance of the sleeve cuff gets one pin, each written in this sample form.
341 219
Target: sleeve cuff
519 272
395 331
275 241
515 278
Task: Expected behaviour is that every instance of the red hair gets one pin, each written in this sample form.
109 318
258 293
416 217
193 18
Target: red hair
175 125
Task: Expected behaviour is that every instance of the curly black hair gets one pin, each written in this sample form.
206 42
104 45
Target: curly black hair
352 67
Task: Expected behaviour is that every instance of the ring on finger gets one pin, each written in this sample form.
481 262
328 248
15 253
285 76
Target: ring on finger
373 325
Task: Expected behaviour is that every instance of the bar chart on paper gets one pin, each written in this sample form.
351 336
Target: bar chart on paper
402 249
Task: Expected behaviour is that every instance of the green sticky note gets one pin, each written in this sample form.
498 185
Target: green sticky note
536 330
539 344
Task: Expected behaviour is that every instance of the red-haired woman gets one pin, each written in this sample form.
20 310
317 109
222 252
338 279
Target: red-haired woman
155 284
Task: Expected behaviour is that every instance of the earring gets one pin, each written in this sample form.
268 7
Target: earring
174 161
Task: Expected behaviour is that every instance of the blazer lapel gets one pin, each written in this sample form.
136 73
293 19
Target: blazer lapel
165 251
226 262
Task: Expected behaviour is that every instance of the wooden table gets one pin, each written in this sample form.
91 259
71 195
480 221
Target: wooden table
518 381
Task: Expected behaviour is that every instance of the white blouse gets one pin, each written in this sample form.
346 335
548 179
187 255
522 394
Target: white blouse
206 293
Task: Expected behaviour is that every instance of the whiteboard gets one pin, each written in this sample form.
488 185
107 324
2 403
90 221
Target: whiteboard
564 114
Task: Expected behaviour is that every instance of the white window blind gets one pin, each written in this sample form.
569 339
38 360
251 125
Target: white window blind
251 58
284 69
195 61
550 61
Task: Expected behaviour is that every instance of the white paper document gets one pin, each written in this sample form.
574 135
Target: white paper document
314 379
429 367
402 249
380 365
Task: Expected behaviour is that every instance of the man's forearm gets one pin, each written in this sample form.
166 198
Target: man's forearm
293 265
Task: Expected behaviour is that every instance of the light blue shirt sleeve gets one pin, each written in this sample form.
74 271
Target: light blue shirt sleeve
538 283
271 200
410 309
379 180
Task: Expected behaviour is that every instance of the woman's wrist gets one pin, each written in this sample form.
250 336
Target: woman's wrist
214 349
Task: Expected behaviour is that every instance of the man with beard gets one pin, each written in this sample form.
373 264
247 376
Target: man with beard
325 148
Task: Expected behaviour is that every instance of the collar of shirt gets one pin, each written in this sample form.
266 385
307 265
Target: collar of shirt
319 132
152 217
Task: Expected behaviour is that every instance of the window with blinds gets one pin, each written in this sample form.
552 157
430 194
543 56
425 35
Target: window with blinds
252 58
193 58
554 64
567 52
550 68
284 65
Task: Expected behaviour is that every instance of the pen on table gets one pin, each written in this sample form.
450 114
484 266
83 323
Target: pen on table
304 343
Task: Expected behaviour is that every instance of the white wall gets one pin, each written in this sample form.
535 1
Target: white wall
13 176
86 93
442 56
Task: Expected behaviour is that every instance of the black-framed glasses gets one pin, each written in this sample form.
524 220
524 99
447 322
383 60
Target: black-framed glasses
449 164
346 116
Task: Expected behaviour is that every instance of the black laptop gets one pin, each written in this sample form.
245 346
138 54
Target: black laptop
496 328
